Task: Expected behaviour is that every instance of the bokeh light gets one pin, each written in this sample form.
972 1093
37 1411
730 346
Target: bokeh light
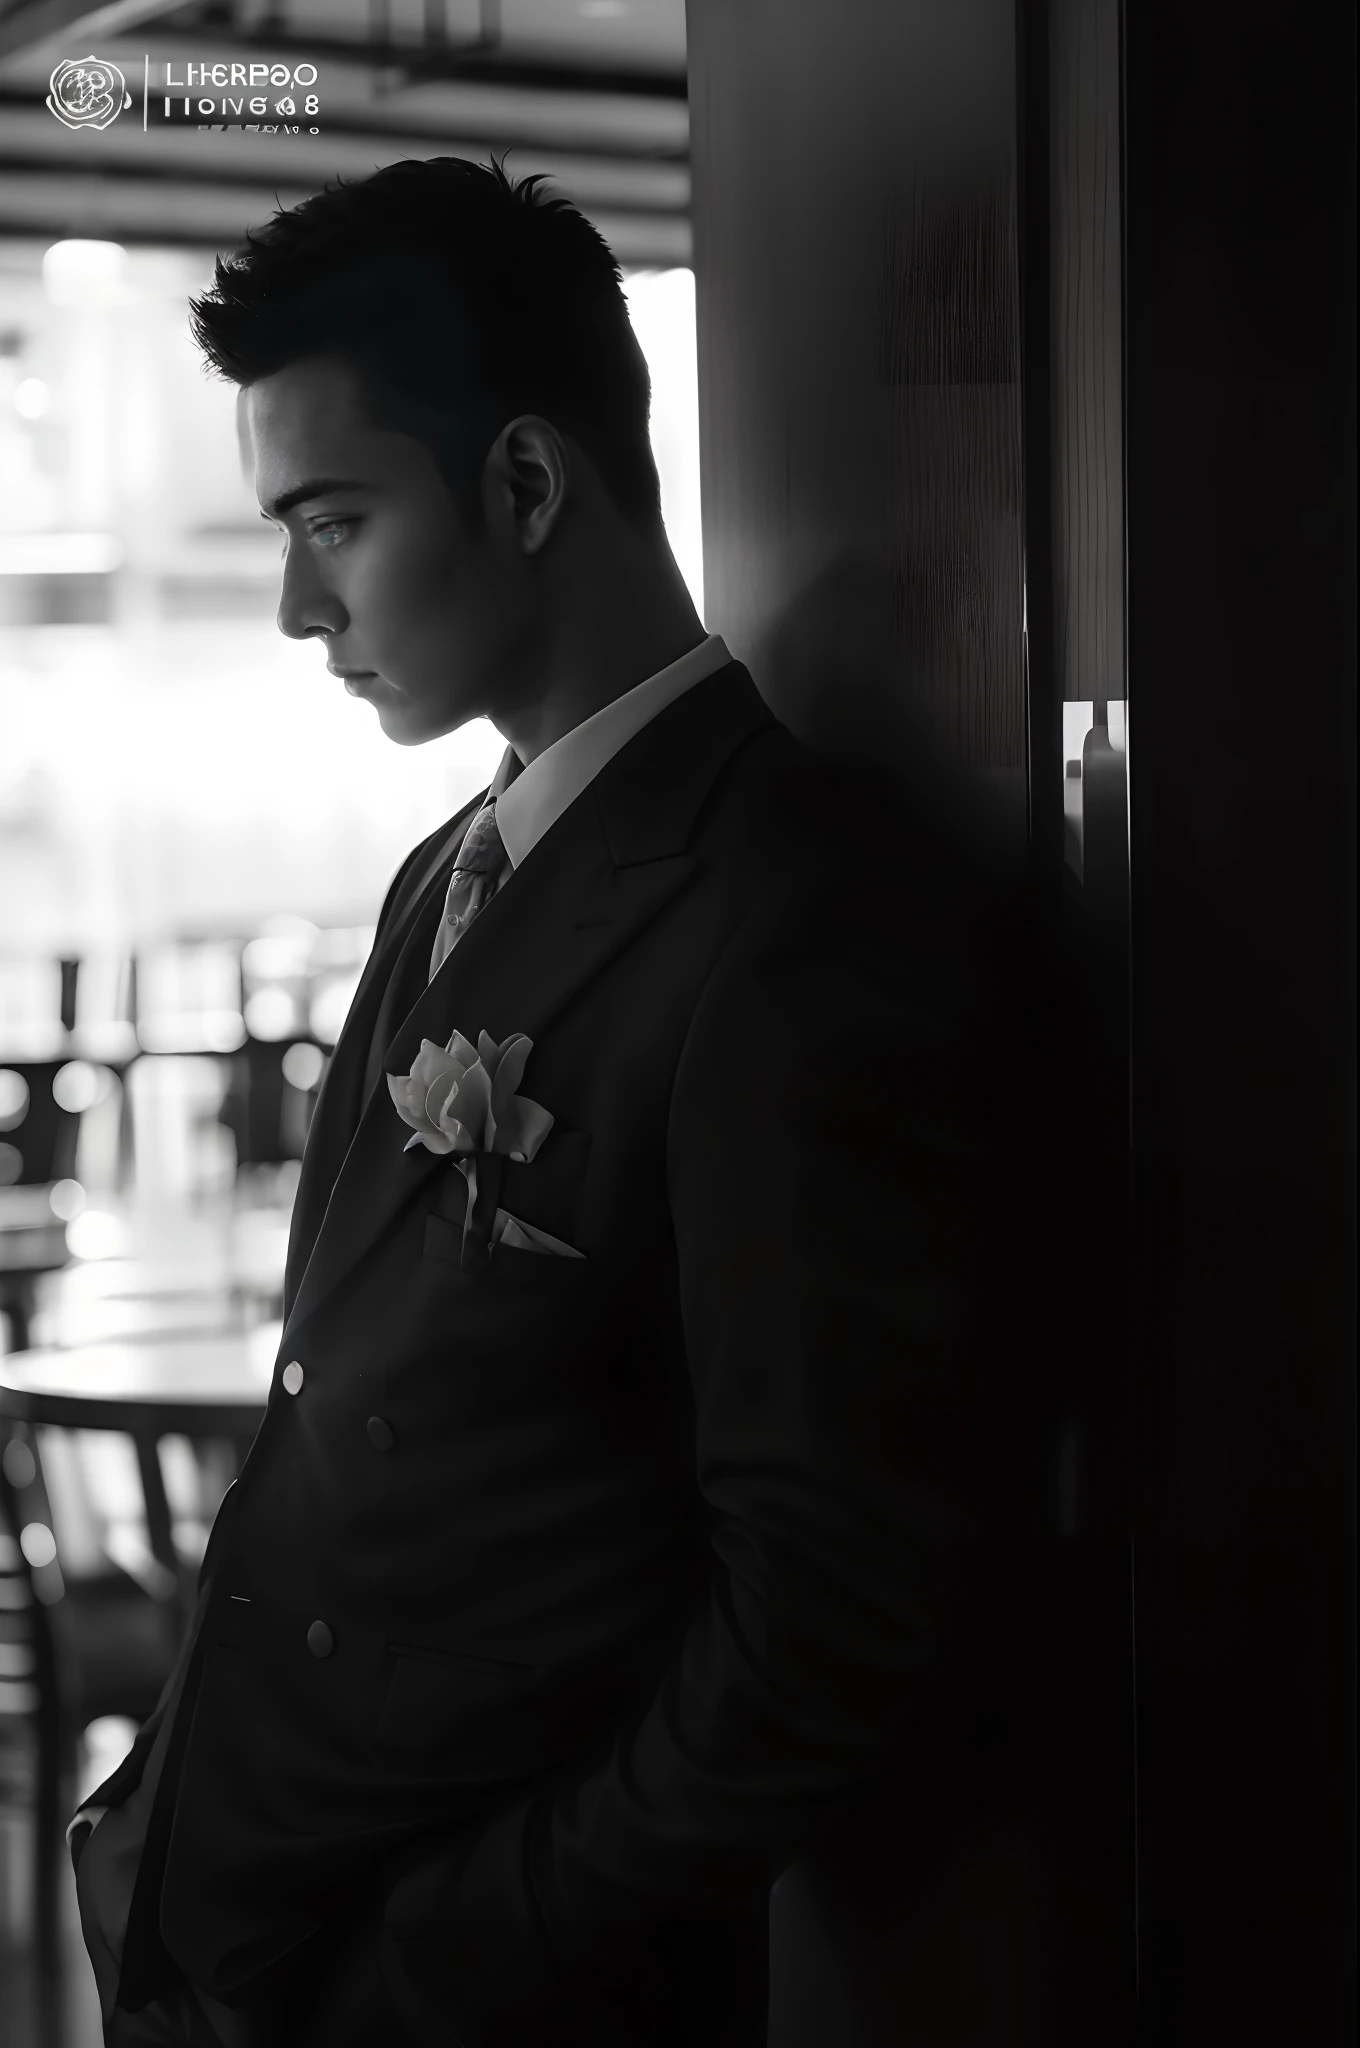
38 1544
303 1066
67 1200
84 274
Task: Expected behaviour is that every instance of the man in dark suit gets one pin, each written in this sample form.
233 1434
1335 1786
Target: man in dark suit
630 1484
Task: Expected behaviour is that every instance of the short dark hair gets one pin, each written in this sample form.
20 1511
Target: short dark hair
461 297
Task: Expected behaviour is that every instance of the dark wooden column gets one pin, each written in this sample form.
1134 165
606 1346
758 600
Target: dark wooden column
870 381
1074 468
854 223
1240 340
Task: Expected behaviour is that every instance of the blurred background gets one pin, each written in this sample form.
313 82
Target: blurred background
197 825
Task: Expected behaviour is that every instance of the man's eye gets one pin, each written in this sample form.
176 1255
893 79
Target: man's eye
331 531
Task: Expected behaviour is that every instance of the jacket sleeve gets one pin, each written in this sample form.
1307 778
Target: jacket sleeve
828 1155
123 1782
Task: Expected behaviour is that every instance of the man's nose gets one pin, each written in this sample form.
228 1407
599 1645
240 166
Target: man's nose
307 609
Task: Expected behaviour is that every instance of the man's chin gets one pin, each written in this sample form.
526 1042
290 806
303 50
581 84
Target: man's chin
407 719
410 725
403 730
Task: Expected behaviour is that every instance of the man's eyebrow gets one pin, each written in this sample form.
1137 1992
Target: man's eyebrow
315 487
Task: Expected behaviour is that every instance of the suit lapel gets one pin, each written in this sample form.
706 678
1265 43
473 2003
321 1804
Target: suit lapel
348 1081
595 879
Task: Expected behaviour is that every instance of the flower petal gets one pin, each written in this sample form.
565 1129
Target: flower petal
443 1107
522 1127
409 1101
510 1070
433 1141
473 1103
462 1050
430 1062
440 1096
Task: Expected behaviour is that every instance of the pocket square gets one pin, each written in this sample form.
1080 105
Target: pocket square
527 1237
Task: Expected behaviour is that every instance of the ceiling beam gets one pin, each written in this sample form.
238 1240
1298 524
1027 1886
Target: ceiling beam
422 62
102 205
36 22
29 135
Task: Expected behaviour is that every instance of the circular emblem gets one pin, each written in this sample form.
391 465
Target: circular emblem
87 92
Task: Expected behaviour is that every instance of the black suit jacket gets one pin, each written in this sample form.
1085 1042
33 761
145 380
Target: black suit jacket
635 1568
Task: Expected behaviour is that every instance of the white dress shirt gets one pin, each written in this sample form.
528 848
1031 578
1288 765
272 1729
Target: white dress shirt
530 800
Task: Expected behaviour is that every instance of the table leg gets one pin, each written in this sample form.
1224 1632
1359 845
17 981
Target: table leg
18 1306
158 1526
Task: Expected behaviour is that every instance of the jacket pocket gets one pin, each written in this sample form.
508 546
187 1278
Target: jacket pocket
232 1622
544 1191
444 1244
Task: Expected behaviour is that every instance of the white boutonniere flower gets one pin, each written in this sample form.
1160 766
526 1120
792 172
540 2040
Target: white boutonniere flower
461 1099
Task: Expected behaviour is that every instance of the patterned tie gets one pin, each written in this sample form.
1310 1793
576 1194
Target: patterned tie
480 860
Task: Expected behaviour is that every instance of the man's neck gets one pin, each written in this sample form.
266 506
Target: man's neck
599 651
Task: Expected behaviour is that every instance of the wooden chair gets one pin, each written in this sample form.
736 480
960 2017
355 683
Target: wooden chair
76 1648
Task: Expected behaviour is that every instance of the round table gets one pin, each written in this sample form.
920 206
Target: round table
191 1386
153 1387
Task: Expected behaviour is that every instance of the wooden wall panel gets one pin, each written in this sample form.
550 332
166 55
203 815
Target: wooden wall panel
854 220
1086 349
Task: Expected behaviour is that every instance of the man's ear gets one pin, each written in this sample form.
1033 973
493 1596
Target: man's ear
524 480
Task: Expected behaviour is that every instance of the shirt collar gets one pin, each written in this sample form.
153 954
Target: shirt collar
530 800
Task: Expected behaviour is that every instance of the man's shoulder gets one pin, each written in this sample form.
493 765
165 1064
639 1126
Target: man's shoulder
842 873
797 817
774 795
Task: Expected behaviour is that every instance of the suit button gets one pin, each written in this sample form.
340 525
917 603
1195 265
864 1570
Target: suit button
379 1433
292 1378
320 1641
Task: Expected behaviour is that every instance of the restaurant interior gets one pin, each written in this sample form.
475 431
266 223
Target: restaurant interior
197 825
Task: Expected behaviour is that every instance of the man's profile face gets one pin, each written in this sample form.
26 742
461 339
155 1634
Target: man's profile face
380 562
